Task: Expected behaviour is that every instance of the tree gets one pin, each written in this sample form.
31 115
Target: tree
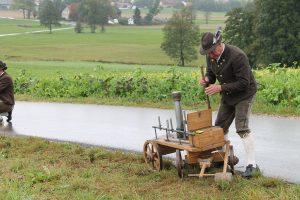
154 9
278 30
240 31
207 16
96 12
137 16
105 11
27 6
268 31
181 36
49 14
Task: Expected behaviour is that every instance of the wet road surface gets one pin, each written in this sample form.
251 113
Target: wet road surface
277 138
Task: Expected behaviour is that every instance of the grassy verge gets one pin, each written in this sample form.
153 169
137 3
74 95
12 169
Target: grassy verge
33 168
56 81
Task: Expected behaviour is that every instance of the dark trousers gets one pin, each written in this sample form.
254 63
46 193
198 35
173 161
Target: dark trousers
241 112
5 107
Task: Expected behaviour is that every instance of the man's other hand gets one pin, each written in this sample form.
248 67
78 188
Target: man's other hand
213 89
204 81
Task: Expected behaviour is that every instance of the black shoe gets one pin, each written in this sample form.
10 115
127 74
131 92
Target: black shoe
9 116
251 171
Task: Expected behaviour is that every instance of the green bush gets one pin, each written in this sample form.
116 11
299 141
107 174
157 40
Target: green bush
277 86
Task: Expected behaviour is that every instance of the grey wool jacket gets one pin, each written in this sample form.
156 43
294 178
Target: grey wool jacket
234 74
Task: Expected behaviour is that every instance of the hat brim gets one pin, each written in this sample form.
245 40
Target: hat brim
207 51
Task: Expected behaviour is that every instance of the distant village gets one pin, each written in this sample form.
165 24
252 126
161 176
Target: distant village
120 4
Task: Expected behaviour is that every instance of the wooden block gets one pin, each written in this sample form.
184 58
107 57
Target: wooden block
219 156
211 138
192 157
198 120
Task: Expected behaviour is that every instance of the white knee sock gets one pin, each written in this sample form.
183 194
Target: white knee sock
226 138
248 142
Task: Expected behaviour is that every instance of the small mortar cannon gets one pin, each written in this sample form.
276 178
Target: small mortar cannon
203 143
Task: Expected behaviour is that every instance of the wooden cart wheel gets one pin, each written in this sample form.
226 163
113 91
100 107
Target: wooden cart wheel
152 155
179 164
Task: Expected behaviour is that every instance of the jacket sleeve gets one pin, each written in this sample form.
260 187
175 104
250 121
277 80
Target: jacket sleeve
241 71
209 73
4 83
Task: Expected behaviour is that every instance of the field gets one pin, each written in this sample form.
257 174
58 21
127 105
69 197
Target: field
119 44
32 168
215 18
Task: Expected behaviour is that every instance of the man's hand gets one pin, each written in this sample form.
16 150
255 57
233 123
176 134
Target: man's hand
213 89
204 81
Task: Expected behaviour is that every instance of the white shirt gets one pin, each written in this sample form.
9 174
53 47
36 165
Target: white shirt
223 45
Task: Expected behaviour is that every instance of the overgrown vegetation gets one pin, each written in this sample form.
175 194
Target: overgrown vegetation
33 168
278 87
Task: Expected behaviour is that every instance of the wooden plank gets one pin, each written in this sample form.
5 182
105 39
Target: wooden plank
199 119
187 147
192 157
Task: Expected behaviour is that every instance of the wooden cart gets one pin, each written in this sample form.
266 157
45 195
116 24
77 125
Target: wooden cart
204 149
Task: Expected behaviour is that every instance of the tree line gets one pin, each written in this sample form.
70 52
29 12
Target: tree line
267 30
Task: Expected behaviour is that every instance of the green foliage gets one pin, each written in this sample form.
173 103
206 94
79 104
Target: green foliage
239 31
96 12
277 86
27 6
78 28
266 30
181 35
154 9
137 85
137 16
278 30
49 13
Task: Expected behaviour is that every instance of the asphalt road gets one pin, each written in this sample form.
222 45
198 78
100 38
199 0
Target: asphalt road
277 138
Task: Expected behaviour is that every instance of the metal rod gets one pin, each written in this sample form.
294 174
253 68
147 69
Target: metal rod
178 112
171 123
155 133
184 116
159 122
167 130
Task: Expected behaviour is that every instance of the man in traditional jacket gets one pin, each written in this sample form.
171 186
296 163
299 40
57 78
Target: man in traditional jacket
7 100
236 84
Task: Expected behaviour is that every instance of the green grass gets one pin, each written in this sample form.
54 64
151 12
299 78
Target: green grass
8 26
33 168
18 26
119 44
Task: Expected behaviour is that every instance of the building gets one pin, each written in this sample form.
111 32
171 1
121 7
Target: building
5 4
70 11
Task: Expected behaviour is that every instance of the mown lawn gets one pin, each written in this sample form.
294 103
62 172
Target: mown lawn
32 168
